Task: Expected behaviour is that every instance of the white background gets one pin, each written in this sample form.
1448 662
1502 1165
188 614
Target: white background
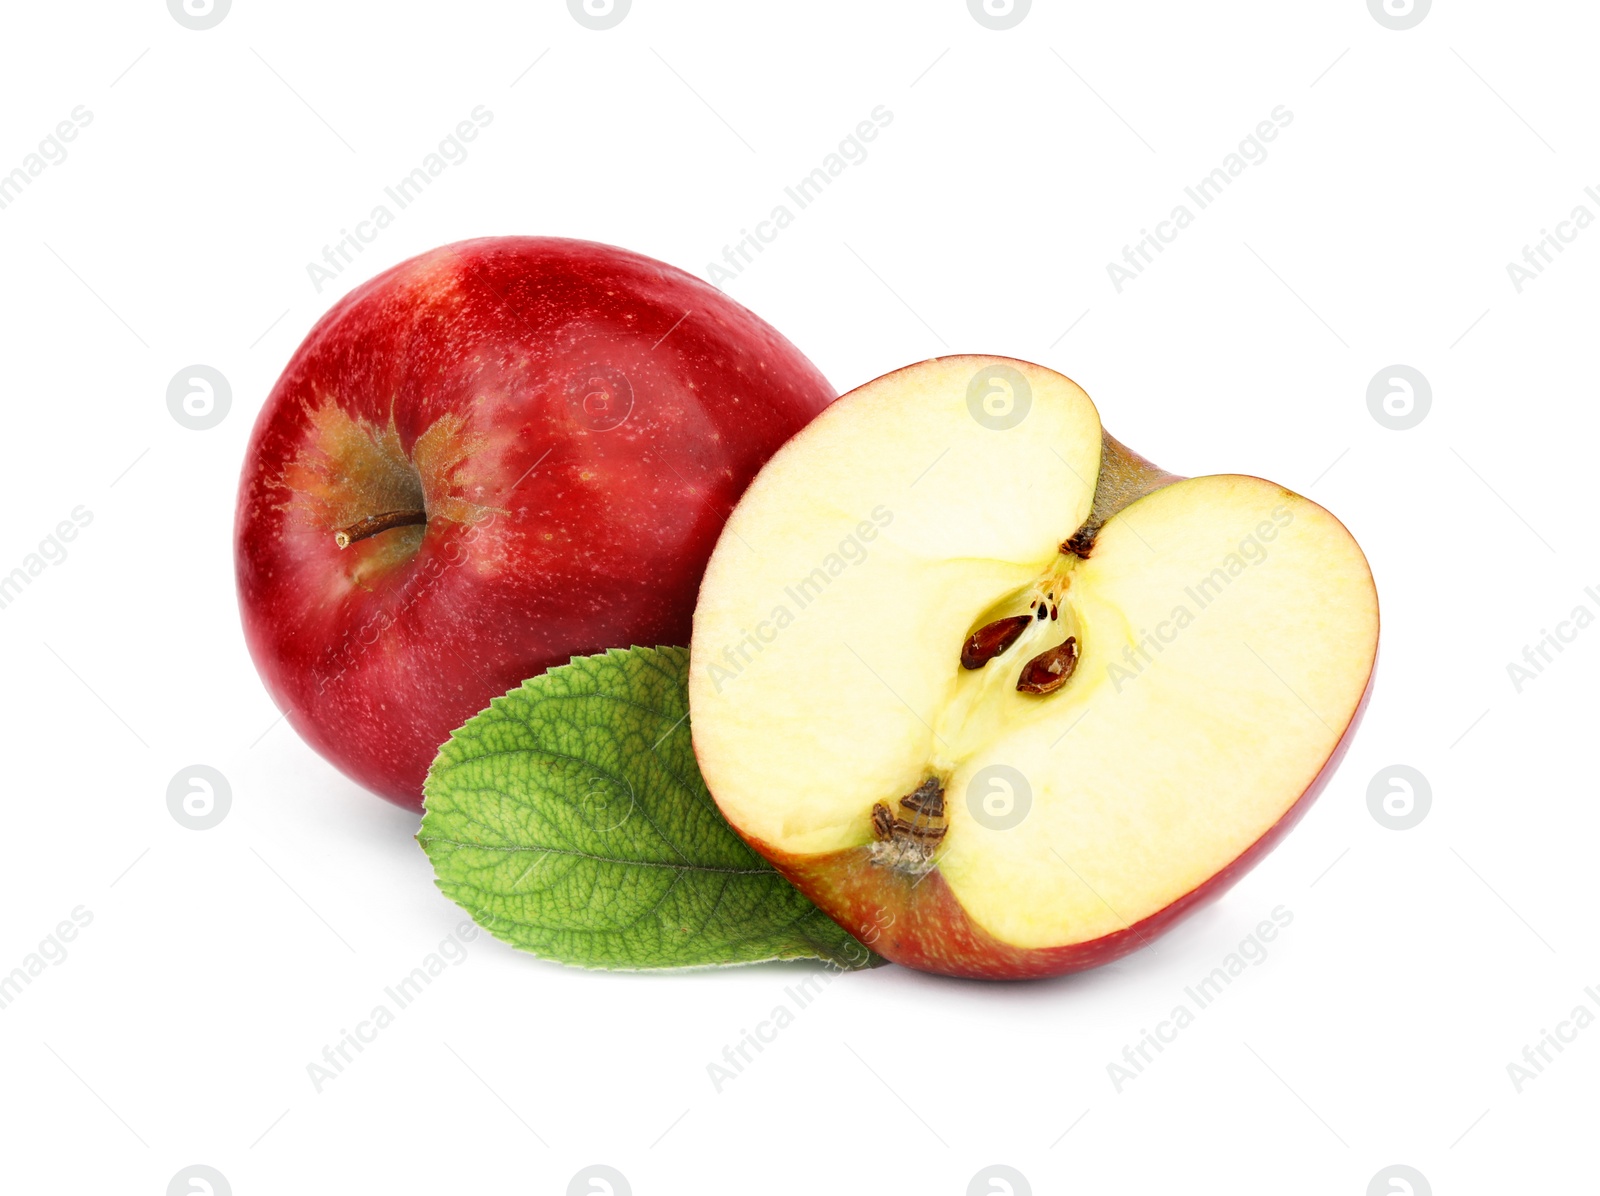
1018 164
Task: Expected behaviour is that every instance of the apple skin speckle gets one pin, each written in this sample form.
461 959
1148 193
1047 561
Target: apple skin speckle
576 465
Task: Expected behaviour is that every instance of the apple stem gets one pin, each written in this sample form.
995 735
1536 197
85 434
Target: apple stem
373 524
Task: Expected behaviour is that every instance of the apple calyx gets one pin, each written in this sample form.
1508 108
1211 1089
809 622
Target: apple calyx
908 844
373 524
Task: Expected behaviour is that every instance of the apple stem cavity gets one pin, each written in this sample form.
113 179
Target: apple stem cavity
361 529
1080 544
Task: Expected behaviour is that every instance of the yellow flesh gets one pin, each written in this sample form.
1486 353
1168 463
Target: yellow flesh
1147 775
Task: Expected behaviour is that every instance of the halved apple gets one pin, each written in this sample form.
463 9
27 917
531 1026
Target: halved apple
999 695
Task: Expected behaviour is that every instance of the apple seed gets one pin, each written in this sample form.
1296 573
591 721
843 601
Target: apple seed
1048 671
992 639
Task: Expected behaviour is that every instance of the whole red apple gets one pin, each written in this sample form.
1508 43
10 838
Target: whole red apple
487 460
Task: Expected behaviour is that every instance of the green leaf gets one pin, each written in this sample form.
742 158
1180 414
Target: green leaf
570 820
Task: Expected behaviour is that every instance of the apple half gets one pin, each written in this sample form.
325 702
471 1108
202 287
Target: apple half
1000 696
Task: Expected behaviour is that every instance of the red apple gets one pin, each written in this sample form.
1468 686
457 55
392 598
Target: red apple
487 460
1000 696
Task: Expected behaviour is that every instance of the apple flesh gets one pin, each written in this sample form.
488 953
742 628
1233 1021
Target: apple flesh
1002 697
493 457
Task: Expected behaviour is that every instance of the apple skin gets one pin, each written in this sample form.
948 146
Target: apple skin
587 418
921 925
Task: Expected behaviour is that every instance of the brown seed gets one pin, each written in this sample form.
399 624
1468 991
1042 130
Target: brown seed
882 821
990 640
926 799
1048 671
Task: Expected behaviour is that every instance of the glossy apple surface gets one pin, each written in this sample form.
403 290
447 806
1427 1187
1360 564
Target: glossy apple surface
1002 697
489 459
